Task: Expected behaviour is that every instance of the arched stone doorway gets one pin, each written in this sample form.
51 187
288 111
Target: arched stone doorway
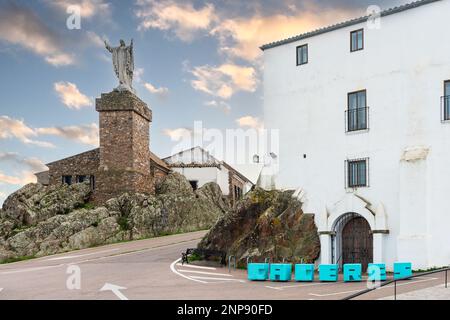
352 241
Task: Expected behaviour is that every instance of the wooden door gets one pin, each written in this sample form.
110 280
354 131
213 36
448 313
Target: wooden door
357 242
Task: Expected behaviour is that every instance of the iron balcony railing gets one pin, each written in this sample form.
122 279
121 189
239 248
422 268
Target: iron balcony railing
445 108
356 119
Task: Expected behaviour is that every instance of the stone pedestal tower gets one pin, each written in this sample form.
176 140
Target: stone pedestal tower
124 146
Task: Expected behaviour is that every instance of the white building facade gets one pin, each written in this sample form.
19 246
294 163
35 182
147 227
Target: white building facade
363 115
200 168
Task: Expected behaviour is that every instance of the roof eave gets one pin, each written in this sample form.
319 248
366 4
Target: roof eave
345 24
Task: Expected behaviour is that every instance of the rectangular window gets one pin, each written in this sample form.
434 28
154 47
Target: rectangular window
357 173
92 182
67 180
446 101
302 55
357 40
357 111
81 178
194 184
237 193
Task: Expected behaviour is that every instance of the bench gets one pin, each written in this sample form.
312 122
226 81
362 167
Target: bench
204 253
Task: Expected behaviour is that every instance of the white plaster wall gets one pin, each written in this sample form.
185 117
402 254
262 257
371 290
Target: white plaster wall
247 187
222 180
194 155
202 175
402 67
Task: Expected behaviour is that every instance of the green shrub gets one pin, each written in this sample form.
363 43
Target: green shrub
123 223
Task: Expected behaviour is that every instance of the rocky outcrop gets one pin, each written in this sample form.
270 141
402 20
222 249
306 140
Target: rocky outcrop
174 183
35 203
39 220
266 224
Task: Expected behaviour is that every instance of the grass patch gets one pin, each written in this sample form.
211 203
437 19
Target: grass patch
17 259
194 257
123 223
88 206
20 229
428 270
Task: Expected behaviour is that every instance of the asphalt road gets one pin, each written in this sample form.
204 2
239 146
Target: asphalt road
148 269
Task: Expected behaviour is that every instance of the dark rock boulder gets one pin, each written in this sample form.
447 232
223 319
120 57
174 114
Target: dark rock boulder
211 192
174 183
266 224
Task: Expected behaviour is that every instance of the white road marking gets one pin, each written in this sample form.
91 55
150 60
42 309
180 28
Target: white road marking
218 279
80 255
1 289
388 286
275 288
30 269
172 267
333 294
195 267
301 285
407 283
210 273
115 289
137 251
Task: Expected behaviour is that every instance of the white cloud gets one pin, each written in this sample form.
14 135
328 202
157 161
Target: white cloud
243 37
225 107
8 156
86 134
9 179
239 36
182 18
24 178
24 170
88 8
161 92
250 122
13 128
20 26
58 60
71 96
225 80
34 164
137 74
95 39
178 134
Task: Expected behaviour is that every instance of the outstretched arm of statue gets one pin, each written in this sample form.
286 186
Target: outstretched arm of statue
107 46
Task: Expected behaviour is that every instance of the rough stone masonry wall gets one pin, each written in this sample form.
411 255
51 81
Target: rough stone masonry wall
82 164
112 183
141 143
116 139
124 146
233 181
158 176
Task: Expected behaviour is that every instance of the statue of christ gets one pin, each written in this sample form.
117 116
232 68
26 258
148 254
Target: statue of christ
123 62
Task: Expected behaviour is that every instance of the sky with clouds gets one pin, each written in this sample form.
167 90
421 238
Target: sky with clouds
195 60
